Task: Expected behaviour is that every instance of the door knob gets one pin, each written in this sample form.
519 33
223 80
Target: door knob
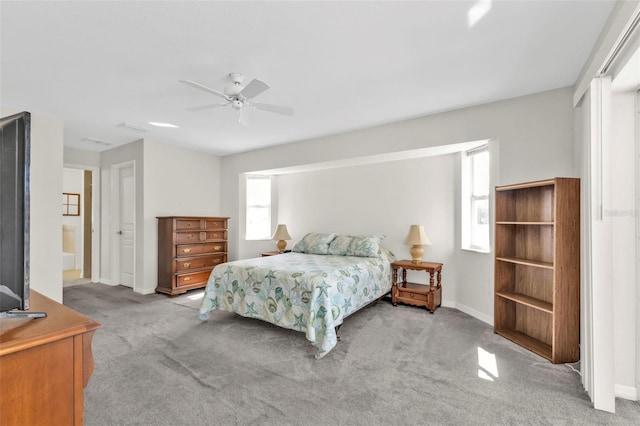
119 232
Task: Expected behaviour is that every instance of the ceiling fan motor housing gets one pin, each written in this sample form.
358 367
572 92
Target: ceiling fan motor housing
235 88
237 104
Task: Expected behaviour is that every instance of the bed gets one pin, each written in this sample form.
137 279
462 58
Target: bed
312 289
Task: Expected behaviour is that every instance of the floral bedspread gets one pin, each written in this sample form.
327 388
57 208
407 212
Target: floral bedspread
304 292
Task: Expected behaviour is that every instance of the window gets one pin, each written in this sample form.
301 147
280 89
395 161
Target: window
475 199
258 207
70 204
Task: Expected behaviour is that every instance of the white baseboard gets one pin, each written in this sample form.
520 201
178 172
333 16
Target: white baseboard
106 281
476 314
626 392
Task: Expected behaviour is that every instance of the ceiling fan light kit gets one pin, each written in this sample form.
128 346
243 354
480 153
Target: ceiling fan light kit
239 97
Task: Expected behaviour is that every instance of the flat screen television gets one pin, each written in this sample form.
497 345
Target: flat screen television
15 151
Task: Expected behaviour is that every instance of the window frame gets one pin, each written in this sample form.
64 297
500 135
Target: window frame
470 199
250 207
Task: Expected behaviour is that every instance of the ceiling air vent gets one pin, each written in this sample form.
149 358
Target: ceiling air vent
96 141
133 126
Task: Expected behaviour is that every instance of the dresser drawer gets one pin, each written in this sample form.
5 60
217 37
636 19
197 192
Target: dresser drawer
187 237
220 247
215 235
211 224
412 294
193 278
191 249
187 224
199 262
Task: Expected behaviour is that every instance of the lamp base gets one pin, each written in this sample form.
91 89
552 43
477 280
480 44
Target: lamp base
416 254
281 244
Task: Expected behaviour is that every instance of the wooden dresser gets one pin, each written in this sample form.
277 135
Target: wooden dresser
188 249
45 364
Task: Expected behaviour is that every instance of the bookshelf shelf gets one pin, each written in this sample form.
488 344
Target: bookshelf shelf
537 262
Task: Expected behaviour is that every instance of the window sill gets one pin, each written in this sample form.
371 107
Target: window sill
477 250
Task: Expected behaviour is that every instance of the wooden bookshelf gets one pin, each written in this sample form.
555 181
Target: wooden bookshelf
537 267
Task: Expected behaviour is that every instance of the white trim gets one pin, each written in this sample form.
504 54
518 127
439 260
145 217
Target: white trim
467 198
268 207
586 314
115 222
474 313
621 44
601 304
627 392
637 241
96 219
611 40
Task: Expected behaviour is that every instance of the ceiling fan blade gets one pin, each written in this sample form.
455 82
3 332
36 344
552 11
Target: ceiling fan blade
274 108
209 106
254 88
205 88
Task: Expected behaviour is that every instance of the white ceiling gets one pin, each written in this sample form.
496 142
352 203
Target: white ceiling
341 65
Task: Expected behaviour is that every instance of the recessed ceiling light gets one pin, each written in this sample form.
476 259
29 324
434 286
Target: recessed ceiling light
134 126
96 141
153 123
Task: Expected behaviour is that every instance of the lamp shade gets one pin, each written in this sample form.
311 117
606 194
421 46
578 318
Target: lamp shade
417 236
281 233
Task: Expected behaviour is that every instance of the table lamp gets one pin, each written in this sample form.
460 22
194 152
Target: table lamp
417 238
281 234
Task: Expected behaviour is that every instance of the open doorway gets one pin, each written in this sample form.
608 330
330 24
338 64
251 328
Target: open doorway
79 257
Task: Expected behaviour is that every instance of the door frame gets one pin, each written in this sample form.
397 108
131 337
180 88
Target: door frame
96 218
115 222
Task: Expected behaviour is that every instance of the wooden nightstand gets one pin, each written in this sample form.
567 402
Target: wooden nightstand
429 296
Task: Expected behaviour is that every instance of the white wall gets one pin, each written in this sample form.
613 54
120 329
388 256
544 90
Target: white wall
46 192
348 201
177 182
81 157
536 141
622 213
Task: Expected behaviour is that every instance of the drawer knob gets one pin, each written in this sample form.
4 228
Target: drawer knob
189 236
217 247
186 251
187 279
186 265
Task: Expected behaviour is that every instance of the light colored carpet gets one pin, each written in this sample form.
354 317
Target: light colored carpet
75 281
156 363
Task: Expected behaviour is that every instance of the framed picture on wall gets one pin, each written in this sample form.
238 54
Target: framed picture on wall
70 204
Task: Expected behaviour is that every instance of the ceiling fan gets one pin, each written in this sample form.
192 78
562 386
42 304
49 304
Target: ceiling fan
239 97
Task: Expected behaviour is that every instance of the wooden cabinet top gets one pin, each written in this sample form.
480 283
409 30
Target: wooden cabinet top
423 266
535 184
17 334
192 217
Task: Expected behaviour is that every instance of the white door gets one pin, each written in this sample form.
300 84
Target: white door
125 221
